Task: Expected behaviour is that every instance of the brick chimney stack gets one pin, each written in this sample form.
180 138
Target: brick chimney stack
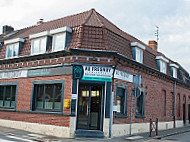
153 44
7 29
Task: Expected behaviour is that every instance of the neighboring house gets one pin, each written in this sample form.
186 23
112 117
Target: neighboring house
57 78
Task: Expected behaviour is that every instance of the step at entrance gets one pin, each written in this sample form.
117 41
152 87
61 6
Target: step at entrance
89 134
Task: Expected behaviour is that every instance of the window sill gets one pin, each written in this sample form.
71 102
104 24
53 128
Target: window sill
139 116
47 112
7 109
119 115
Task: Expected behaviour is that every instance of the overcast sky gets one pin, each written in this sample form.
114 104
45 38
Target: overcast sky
136 17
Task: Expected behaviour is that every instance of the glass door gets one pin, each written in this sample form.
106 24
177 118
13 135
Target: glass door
89 107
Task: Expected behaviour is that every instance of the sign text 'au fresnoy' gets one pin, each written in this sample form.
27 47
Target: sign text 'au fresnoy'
102 73
97 73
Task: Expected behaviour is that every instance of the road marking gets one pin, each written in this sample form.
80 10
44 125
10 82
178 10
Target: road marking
36 135
17 138
3 140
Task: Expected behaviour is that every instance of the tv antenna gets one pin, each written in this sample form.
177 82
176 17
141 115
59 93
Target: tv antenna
157 33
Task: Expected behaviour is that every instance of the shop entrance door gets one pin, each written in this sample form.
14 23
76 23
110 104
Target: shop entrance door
90 104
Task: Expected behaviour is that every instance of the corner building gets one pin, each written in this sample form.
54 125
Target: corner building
65 78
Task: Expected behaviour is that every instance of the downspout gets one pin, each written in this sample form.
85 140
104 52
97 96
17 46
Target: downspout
174 119
131 109
111 104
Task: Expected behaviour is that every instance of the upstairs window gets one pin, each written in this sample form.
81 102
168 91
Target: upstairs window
173 68
39 45
40 42
163 67
13 47
162 64
139 55
61 38
137 51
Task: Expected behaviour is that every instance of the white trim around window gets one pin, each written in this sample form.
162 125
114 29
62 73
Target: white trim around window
38 45
11 41
137 44
38 35
162 58
163 67
60 30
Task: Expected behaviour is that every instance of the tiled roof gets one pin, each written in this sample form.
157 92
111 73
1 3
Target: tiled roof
91 30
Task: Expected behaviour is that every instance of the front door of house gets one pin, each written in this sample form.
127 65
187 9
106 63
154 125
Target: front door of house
90 102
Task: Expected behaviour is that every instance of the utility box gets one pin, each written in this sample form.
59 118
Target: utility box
67 103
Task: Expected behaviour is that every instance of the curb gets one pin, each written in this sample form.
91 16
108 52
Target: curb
171 134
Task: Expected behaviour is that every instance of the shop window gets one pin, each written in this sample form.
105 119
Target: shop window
140 103
121 100
48 95
8 95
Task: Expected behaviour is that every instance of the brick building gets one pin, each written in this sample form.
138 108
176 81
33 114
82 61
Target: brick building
64 77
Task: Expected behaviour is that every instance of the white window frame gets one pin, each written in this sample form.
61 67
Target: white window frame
11 44
54 49
38 36
174 72
59 31
162 61
139 57
174 68
163 67
139 48
40 48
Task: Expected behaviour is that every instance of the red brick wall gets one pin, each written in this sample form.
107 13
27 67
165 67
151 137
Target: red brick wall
24 99
154 98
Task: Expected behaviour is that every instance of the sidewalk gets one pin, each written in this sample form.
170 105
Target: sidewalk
43 138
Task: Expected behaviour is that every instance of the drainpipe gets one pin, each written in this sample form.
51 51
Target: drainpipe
131 109
174 103
111 104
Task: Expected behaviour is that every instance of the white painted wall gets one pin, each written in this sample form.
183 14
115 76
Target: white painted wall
52 130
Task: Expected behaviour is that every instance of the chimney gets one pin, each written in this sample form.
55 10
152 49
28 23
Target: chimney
7 29
153 44
41 21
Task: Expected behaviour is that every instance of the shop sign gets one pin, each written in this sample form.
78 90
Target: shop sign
13 74
97 73
123 75
50 71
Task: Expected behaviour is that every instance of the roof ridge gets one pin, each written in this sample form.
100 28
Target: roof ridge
88 17
98 18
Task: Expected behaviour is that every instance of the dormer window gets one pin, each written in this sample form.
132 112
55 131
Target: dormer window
173 68
162 64
61 37
137 51
40 42
13 47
